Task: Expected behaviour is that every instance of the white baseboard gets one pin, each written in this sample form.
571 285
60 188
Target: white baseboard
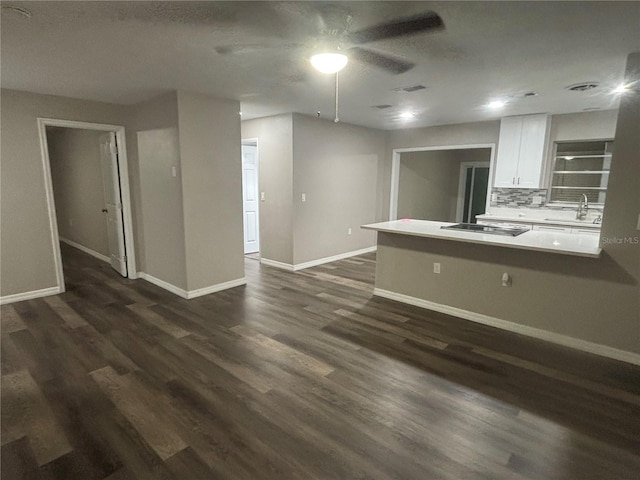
188 294
216 288
560 339
86 250
319 261
275 263
18 297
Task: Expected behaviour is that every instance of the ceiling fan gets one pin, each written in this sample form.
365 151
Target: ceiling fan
335 41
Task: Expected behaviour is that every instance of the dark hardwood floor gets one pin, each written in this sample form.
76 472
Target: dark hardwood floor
300 375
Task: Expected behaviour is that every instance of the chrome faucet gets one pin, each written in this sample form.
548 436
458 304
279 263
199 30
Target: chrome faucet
583 207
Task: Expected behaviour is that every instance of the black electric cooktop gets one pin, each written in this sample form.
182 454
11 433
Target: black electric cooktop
492 229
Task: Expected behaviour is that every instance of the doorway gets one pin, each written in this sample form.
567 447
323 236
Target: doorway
96 197
425 181
250 198
472 191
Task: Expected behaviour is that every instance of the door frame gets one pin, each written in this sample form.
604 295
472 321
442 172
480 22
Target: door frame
253 142
123 170
462 183
395 170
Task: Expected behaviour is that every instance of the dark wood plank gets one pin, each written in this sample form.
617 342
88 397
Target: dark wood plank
296 375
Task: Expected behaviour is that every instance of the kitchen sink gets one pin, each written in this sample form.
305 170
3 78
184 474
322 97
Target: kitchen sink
491 229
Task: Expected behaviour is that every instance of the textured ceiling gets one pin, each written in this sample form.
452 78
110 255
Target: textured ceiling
127 52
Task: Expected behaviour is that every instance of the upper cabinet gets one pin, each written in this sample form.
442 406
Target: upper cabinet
521 151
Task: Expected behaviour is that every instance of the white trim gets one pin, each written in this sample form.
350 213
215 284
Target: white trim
51 206
395 170
558 338
162 284
462 184
86 250
334 258
18 297
123 168
320 261
276 264
188 294
216 288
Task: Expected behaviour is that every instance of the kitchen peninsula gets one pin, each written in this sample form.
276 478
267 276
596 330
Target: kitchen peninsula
541 241
532 283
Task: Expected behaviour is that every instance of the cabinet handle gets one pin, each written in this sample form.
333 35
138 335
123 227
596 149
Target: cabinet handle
518 181
513 182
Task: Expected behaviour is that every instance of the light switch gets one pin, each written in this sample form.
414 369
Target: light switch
262 196
304 197
173 171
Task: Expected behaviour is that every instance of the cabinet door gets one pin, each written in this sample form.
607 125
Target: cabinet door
506 171
532 151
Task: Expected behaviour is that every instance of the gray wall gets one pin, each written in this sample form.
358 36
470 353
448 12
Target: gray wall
445 135
164 254
429 182
210 152
597 300
336 166
27 260
275 150
76 171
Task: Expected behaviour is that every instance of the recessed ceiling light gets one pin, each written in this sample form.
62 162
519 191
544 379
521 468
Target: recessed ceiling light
620 89
495 104
407 114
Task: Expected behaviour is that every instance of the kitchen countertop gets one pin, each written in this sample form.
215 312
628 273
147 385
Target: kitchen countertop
542 218
540 241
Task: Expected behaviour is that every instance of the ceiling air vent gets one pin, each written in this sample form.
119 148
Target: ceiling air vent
411 89
583 87
381 107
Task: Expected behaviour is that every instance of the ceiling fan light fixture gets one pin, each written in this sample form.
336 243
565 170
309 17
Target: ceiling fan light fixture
329 62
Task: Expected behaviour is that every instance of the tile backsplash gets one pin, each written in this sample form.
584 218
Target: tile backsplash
518 197
524 198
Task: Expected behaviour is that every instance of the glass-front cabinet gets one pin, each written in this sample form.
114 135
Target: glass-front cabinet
580 168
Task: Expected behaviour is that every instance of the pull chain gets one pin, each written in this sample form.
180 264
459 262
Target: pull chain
336 119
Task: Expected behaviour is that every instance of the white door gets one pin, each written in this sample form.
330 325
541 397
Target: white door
113 202
250 199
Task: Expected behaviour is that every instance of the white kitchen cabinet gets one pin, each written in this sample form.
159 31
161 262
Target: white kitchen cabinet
521 151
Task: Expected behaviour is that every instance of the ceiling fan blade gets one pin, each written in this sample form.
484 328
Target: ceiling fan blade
251 47
230 49
393 65
401 27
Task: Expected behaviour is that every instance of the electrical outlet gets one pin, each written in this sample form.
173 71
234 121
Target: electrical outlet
506 280
436 267
349 231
